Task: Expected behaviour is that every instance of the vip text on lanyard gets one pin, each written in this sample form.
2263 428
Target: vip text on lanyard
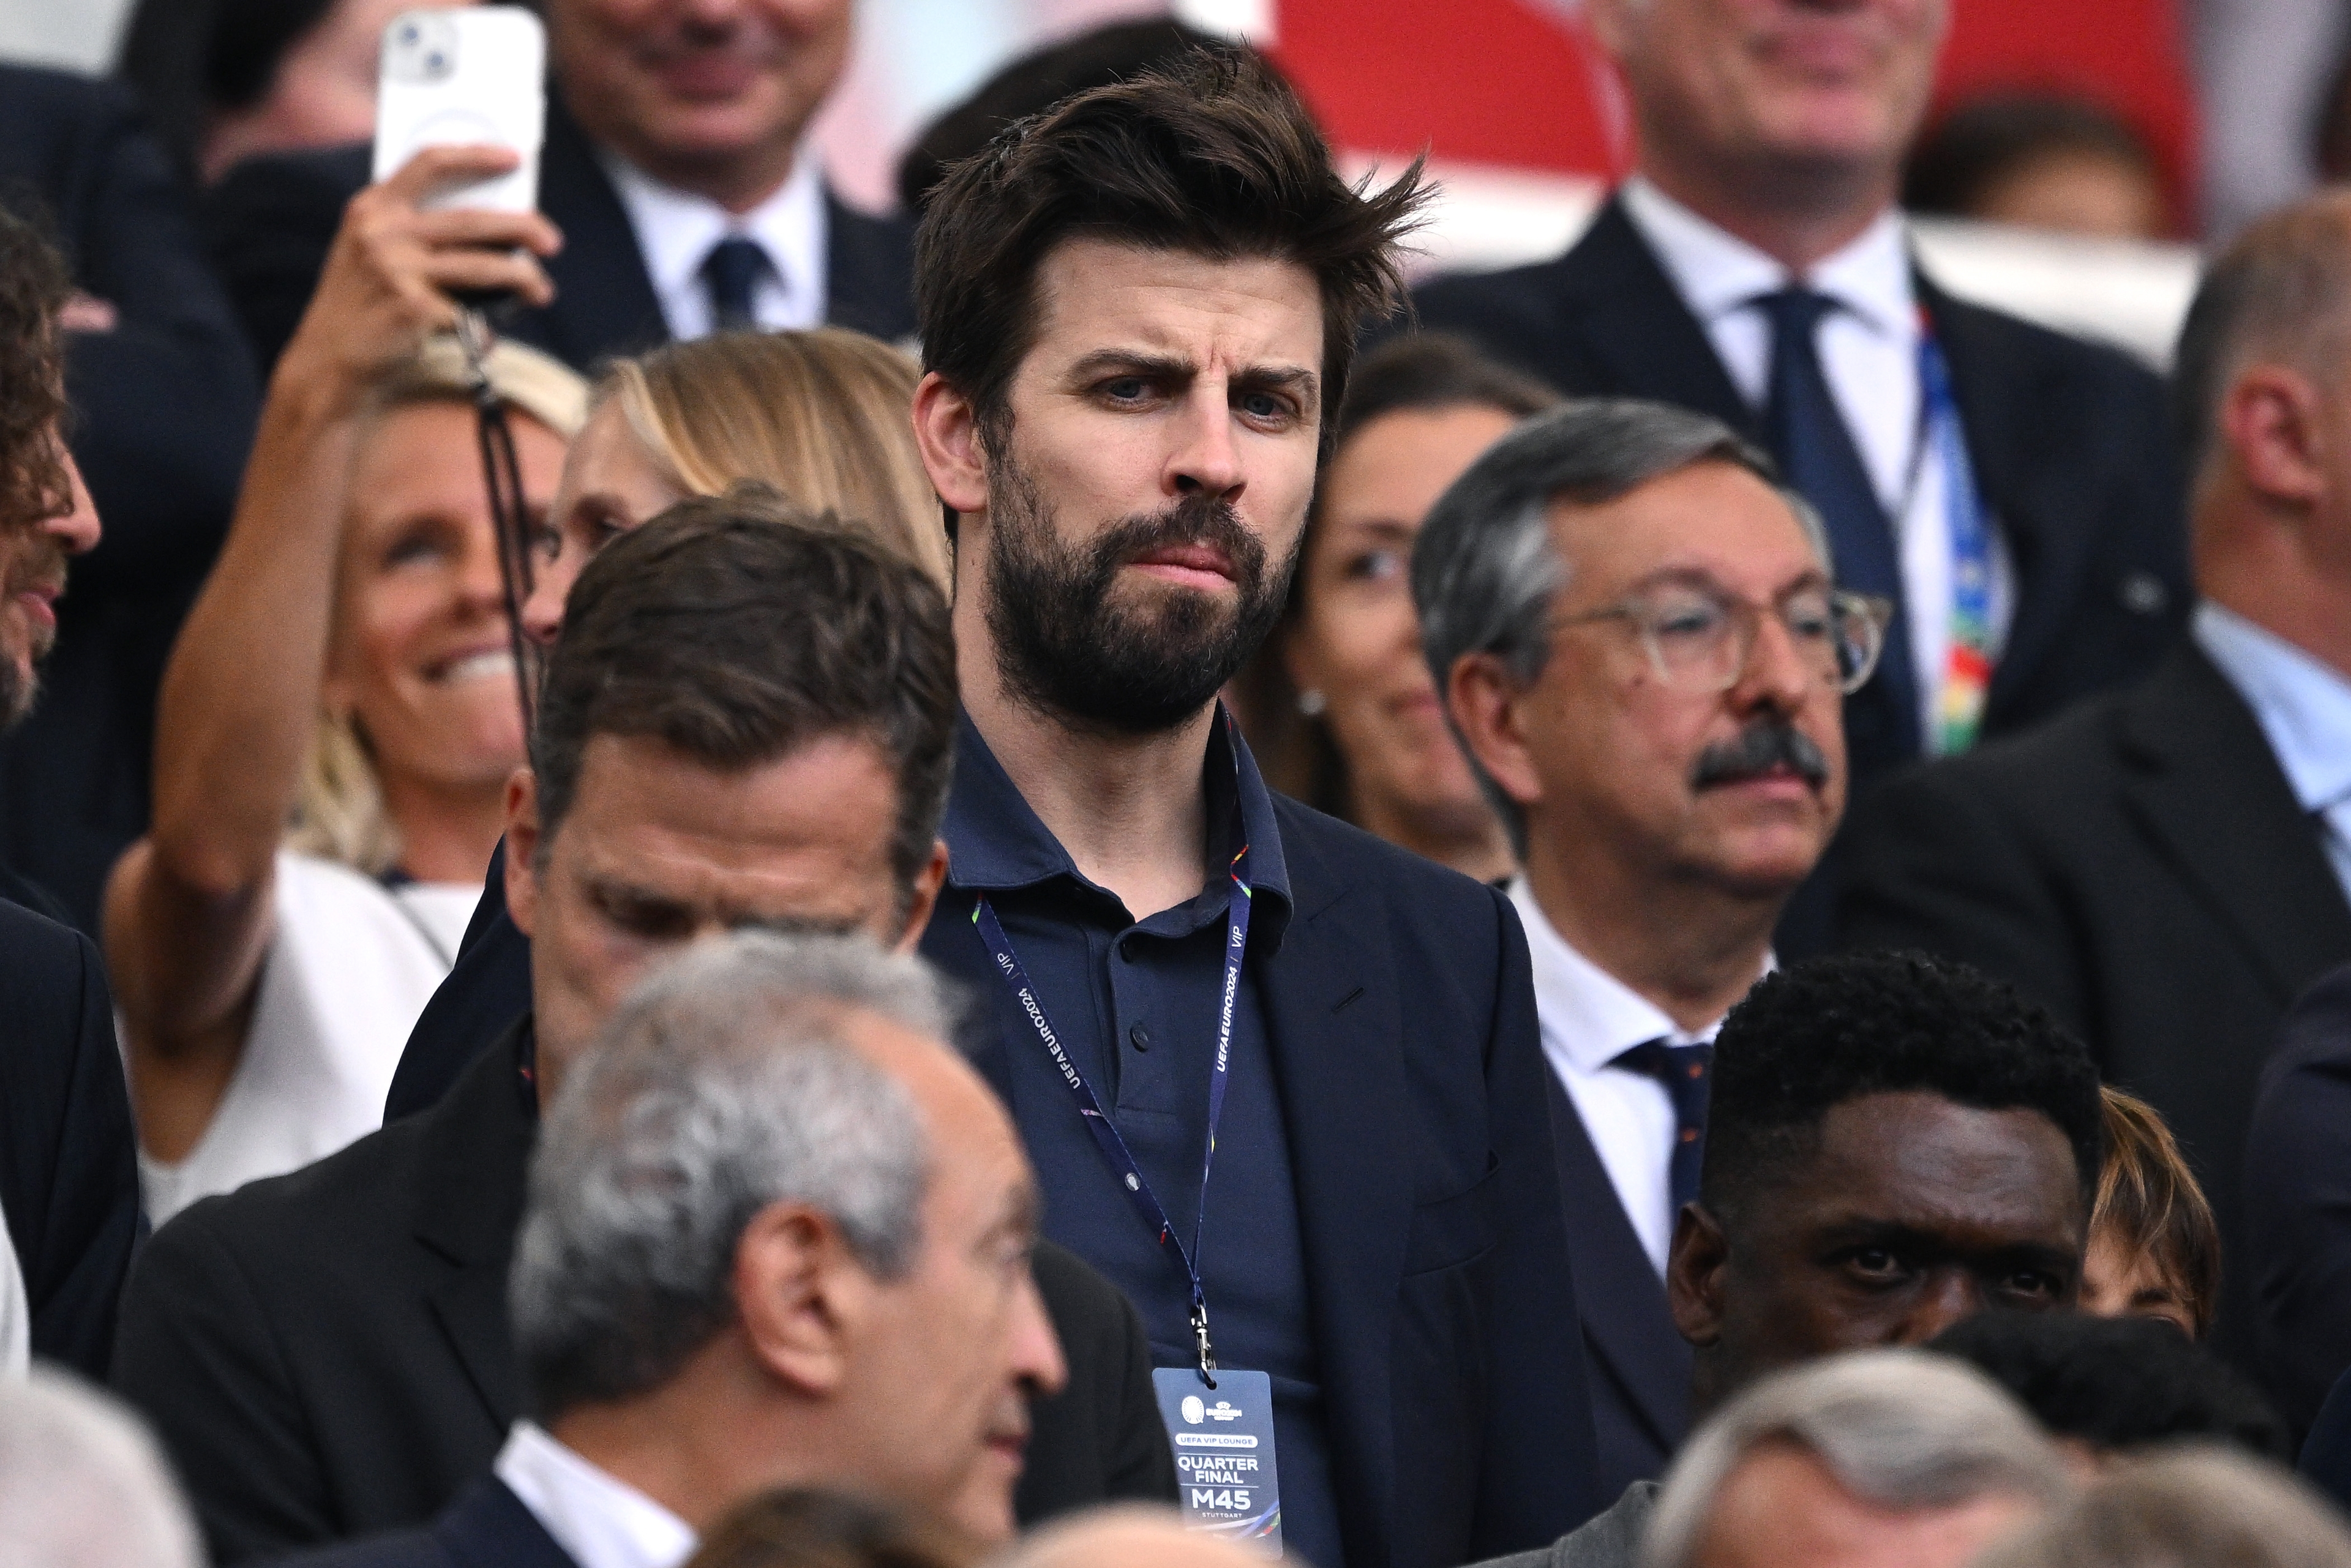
1105 1133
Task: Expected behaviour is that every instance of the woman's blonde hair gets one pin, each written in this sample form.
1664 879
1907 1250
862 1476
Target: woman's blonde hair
825 416
338 813
2149 1204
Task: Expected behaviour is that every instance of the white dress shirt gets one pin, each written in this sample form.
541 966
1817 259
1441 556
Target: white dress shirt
2303 706
599 1522
1869 351
677 230
1589 1018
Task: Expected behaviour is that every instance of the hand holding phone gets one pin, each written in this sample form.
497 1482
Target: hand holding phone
470 75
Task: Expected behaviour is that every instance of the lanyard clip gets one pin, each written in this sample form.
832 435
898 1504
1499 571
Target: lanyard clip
1200 1337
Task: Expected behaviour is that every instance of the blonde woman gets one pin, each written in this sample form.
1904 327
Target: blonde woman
339 719
823 416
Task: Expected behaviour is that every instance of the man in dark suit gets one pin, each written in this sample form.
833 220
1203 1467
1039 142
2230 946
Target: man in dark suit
2164 867
1896 1144
2296 1255
1135 317
684 210
68 1167
747 723
1593 594
722 1291
2025 522
164 398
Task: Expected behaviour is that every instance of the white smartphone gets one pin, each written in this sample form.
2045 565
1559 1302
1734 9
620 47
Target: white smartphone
466 74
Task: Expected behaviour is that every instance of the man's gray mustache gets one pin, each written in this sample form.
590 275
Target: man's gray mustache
1760 748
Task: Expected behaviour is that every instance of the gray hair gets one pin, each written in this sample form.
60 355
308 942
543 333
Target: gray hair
723 1084
1484 573
1899 1428
2183 1509
82 1484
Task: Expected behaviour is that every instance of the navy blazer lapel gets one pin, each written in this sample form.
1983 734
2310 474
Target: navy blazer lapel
468 1212
2204 781
604 301
1332 1023
869 278
1617 1291
1615 293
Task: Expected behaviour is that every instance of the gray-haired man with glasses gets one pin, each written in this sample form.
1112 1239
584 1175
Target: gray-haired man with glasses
1637 636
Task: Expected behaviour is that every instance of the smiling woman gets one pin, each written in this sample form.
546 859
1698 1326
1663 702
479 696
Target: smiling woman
340 717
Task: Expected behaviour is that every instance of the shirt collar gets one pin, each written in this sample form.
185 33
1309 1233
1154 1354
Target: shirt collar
1715 272
598 1520
2303 704
996 843
1589 1016
675 229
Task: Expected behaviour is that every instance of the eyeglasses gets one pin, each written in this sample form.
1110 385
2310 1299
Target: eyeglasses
1701 639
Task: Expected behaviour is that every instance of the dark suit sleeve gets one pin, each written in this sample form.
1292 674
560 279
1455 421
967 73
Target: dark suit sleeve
1929 862
199 1355
73 1187
165 402
1538 1479
1100 1438
267 226
2298 1206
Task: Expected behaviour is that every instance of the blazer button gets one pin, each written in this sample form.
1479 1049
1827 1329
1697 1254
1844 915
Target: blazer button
1140 1037
2143 593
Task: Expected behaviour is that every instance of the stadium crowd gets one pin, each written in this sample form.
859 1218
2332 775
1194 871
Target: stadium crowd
696 878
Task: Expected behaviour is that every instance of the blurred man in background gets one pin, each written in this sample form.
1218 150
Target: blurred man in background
2007 488
677 166
2167 867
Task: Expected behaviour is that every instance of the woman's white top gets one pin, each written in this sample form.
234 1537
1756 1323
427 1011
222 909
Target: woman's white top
352 964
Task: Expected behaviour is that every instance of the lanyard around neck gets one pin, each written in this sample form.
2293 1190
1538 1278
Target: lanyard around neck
1106 1136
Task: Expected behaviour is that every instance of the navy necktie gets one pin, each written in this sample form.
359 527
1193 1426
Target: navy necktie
1816 454
731 272
1688 1073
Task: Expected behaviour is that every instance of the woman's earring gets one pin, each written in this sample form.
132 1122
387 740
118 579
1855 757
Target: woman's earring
1311 703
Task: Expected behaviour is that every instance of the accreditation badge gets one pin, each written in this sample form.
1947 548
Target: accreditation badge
1223 1437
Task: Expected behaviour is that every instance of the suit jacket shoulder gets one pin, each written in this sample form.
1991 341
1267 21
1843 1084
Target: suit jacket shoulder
487 1527
68 1165
868 271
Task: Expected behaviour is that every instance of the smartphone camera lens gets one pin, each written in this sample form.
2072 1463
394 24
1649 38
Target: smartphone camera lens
408 35
436 62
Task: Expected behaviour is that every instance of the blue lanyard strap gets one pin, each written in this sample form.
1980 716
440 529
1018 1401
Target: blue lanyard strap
1106 1136
1965 682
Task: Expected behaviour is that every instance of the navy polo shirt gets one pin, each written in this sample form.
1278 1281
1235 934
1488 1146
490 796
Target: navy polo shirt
1135 1004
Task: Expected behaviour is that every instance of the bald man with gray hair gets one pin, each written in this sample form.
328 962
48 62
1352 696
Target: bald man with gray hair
778 1235
2167 868
1637 637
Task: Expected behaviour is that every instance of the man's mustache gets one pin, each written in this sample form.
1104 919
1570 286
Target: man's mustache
1194 520
1762 746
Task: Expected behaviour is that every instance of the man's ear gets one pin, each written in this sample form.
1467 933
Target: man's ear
946 428
2271 417
927 882
522 850
1695 1264
1488 708
801 1297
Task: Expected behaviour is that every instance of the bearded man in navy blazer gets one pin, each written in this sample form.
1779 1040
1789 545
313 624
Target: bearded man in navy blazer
2013 491
1137 311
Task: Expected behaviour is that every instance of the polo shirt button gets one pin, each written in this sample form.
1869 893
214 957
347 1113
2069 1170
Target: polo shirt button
1141 1037
1127 948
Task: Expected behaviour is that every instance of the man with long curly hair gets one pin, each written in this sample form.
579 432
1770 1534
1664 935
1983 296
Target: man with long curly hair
68 1177
45 511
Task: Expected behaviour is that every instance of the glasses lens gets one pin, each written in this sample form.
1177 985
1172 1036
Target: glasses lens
1860 638
1691 638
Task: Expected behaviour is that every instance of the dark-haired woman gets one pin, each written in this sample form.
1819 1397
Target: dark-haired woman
1340 705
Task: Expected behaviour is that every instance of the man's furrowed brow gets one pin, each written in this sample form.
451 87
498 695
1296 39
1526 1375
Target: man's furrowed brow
1133 362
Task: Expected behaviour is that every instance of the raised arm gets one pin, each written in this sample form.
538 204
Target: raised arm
188 911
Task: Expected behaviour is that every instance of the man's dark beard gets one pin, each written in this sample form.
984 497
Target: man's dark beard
1063 648
1766 743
